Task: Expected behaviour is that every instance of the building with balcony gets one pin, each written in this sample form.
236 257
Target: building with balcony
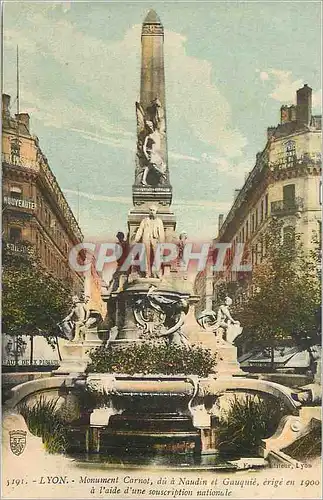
35 210
285 182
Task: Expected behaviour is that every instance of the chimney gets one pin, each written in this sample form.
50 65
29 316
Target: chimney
284 118
236 192
23 118
292 113
304 105
270 132
220 221
5 106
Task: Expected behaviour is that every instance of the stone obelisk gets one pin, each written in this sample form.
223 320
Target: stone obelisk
152 83
152 184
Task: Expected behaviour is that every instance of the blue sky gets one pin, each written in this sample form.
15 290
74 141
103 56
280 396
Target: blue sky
229 67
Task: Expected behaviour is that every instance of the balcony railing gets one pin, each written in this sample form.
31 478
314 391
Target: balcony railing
287 207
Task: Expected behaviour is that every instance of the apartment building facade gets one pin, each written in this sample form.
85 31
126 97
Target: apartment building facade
35 211
284 183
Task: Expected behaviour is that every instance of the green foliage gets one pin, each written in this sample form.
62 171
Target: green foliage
248 420
43 420
227 289
152 358
284 294
33 300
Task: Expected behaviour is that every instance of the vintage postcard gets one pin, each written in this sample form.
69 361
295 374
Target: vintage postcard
161 249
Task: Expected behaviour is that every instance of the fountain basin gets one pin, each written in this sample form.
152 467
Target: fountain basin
140 414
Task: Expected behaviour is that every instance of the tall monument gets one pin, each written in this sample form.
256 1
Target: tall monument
152 183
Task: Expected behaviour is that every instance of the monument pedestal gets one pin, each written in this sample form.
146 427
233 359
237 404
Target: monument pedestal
75 356
226 353
227 364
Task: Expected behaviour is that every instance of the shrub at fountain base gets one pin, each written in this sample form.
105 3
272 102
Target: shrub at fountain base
152 359
247 421
44 420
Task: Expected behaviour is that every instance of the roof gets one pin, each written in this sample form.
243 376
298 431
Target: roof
286 357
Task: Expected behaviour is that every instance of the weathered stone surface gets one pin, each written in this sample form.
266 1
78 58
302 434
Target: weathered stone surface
290 429
75 357
49 387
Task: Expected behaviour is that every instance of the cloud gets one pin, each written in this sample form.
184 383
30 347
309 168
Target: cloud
98 197
125 200
284 87
196 101
217 205
179 156
228 168
94 83
110 140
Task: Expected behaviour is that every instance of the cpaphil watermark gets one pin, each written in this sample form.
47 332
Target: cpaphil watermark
217 257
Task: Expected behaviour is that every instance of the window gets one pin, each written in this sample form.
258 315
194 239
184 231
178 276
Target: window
263 245
16 192
227 258
289 235
15 234
253 223
260 251
40 207
266 205
262 211
255 250
247 230
289 196
242 236
256 218
320 231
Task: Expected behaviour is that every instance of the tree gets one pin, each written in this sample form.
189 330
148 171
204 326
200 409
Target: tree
283 300
33 300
